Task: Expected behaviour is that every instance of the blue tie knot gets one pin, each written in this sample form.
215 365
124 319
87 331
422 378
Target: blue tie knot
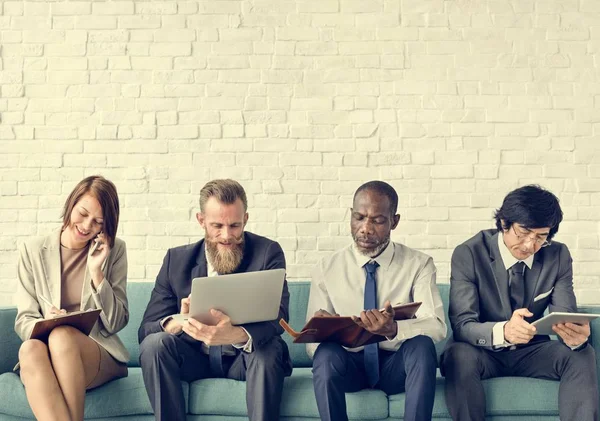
371 267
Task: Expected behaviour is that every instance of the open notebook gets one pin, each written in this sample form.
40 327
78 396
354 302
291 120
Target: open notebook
343 330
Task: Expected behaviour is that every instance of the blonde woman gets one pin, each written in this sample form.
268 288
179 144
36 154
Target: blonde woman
70 271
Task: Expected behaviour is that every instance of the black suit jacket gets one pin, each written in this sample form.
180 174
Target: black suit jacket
182 264
479 290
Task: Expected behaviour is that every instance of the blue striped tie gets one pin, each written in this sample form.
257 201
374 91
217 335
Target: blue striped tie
371 351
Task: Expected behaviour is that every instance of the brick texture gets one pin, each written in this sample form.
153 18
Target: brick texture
453 102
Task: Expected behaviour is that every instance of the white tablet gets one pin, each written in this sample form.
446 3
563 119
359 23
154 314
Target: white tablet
544 325
245 297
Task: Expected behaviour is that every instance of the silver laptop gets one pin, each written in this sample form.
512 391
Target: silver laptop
245 297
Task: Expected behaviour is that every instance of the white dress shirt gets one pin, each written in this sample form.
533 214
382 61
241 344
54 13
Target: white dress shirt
404 275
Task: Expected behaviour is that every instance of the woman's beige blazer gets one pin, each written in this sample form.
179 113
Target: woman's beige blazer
39 273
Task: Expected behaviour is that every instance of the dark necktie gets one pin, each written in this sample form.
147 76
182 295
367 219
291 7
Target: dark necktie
516 279
215 360
371 351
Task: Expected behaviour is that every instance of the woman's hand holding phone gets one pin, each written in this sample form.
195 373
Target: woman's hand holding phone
96 257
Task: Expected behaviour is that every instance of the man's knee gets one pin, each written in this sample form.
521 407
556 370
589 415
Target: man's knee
269 356
582 362
460 359
156 345
419 353
329 360
420 349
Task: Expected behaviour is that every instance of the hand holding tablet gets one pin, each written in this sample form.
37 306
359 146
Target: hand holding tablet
544 325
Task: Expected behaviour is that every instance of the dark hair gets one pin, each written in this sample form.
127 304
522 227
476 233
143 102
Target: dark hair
105 192
531 206
225 191
383 189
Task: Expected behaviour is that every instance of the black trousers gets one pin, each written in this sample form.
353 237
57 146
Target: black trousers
167 359
465 366
412 369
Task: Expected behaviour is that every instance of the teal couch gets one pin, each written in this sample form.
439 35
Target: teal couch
508 398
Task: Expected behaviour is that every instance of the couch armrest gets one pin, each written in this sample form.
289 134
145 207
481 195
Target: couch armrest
595 334
9 341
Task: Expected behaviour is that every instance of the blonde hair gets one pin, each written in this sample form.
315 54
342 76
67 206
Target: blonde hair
225 191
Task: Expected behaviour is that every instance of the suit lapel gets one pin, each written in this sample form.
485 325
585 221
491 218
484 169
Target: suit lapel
500 275
50 258
200 270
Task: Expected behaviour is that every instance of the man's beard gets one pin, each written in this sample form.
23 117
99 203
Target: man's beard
372 252
225 261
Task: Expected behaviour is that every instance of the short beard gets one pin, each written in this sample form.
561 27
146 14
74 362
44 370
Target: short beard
225 261
372 252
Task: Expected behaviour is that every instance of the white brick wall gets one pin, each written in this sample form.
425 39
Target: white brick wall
452 102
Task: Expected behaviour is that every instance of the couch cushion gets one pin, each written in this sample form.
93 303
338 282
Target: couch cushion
126 396
299 292
228 397
504 396
138 295
10 343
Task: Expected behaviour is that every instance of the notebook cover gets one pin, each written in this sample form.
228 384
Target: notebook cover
81 320
343 330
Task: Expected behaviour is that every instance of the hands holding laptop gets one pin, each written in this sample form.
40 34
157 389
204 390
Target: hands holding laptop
223 333
175 324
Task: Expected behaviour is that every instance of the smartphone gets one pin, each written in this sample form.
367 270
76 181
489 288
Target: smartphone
96 244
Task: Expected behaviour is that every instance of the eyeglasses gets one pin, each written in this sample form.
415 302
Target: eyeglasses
540 241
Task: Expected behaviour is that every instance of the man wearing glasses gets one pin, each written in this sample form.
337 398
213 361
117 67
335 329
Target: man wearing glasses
501 281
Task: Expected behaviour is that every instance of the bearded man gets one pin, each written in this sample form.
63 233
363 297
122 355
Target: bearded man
361 279
172 351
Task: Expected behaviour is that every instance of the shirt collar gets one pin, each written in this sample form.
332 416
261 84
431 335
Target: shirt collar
210 270
507 258
384 259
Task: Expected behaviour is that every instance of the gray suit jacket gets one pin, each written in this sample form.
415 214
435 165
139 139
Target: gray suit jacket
479 290
39 273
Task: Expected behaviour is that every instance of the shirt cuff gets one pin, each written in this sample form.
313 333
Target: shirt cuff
394 338
577 347
498 340
163 323
247 347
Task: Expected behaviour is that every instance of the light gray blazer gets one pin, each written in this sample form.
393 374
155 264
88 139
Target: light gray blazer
39 273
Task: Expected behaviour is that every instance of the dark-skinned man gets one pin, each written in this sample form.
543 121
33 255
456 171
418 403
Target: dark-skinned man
373 273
